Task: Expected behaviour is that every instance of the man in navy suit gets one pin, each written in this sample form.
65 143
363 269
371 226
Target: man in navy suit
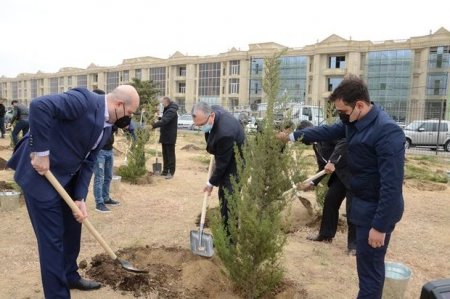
66 132
222 132
376 155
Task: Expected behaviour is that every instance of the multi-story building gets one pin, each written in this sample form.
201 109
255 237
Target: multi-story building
409 78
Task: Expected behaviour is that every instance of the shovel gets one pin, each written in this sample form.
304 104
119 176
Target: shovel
293 190
202 243
156 166
62 192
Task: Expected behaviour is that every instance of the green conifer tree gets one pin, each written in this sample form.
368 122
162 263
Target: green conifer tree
251 253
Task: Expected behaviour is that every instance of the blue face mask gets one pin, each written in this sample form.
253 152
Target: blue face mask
206 128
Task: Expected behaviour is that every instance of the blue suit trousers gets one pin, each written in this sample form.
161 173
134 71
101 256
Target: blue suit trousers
370 264
58 236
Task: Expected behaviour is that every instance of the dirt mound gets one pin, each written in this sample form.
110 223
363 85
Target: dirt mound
2 163
425 186
190 147
173 273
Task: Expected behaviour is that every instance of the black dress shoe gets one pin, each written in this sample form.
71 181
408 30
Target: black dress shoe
84 285
320 238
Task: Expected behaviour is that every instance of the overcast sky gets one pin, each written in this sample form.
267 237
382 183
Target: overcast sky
47 35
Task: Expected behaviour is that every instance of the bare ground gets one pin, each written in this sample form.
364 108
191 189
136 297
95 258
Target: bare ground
154 222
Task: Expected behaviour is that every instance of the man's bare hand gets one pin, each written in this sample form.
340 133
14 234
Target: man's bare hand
283 136
208 189
81 204
376 238
329 168
40 163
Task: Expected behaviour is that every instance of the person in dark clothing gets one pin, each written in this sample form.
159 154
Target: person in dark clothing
332 156
20 117
2 119
376 156
103 172
168 135
222 132
67 131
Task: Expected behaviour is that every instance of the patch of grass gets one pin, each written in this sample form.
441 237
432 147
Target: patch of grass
424 174
204 159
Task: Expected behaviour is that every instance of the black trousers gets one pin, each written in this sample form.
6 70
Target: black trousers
333 200
20 125
168 153
228 188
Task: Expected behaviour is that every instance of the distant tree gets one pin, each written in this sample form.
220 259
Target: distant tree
135 167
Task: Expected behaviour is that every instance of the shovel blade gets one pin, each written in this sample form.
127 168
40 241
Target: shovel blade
129 267
157 168
205 248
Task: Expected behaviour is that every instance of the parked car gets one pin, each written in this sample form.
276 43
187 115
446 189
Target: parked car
429 133
185 121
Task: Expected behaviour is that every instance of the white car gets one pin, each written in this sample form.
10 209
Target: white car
429 133
185 121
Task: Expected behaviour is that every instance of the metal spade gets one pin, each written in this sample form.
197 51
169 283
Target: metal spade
201 242
125 264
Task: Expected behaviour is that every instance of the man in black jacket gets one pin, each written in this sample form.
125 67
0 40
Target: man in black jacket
222 132
2 118
168 137
332 156
20 117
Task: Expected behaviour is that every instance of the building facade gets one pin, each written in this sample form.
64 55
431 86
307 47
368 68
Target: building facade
409 78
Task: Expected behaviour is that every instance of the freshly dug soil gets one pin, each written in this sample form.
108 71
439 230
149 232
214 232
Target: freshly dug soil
2 163
173 273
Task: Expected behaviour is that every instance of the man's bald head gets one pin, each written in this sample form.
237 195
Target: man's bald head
124 97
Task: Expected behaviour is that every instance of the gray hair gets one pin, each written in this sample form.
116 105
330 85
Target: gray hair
203 107
166 98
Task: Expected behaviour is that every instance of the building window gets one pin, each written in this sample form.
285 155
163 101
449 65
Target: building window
334 82
94 78
82 81
439 57
336 62
112 81
182 87
182 71
437 84
209 79
138 74
125 76
69 81
233 86
53 82
158 76
235 67
257 66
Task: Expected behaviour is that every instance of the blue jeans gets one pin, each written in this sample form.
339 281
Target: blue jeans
103 170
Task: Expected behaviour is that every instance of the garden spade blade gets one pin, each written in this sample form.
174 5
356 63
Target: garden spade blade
201 243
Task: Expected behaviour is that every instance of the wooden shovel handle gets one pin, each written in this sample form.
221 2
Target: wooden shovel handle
54 182
205 196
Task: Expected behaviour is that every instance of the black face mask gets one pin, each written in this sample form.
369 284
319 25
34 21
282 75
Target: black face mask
345 118
124 121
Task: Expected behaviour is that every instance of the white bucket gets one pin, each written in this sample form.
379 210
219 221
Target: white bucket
9 200
396 280
115 184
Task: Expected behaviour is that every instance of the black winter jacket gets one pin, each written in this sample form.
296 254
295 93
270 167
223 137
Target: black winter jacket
168 124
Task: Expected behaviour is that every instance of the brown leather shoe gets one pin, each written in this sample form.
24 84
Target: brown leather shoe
320 238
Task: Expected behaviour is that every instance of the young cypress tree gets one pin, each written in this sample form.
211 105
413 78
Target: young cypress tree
252 250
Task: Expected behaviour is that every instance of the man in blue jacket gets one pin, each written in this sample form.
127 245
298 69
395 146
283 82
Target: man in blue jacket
66 132
376 154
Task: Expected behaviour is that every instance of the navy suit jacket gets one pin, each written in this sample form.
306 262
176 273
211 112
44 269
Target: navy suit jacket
225 134
376 155
68 125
